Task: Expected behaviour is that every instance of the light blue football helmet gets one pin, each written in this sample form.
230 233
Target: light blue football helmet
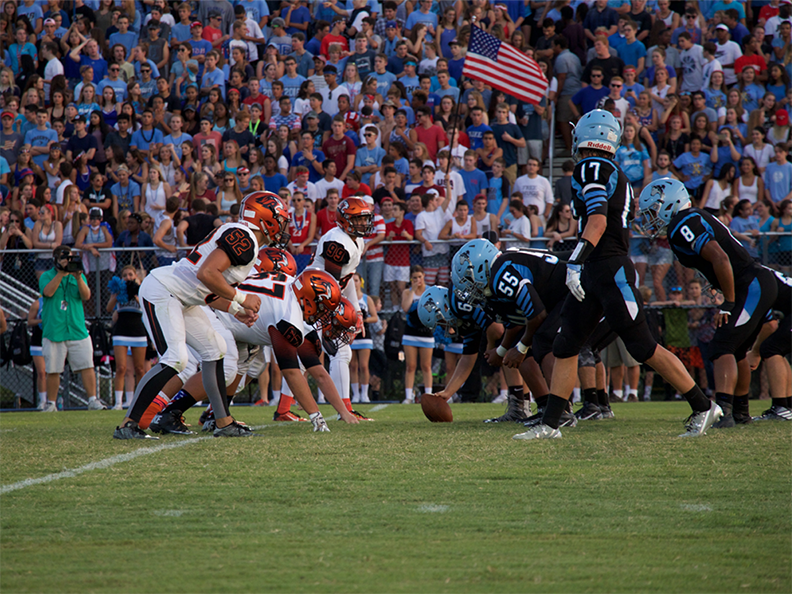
434 309
597 129
659 202
470 270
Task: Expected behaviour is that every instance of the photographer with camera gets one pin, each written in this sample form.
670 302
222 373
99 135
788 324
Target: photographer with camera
63 326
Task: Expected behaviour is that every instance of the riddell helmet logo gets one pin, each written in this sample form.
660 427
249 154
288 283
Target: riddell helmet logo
596 145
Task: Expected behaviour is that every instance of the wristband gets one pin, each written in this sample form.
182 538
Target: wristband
582 251
501 350
239 297
726 307
234 308
522 348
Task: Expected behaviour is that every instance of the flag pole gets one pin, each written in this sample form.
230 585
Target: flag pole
456 120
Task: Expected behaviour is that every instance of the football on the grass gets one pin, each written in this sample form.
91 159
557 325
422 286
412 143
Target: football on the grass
436 409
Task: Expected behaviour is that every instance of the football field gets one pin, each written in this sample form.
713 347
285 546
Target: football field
397 505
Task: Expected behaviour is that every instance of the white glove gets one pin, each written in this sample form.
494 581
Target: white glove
319 424
573 281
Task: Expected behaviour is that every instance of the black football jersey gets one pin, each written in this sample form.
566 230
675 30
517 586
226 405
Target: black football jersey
691 229
523 283
473 322
600 187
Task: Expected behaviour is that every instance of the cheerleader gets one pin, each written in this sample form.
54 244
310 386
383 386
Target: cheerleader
418 340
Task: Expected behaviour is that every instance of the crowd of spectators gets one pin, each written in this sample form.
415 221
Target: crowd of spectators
144 123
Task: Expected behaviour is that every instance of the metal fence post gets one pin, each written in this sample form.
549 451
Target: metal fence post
97 288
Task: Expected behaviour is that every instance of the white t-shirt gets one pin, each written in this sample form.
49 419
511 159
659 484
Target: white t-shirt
61 189
51 70
457 187
707 70
431 223
458 152
727 54
523 227
322 186
537 191
762 157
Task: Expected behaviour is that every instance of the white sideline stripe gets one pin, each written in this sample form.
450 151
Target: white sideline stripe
101 464
378 407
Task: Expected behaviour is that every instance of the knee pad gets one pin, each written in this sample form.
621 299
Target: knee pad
640 343
191 368
176 357
586 357
564 348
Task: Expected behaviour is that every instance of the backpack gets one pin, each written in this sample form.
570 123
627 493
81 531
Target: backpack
5 350
393 336
19 345
101 344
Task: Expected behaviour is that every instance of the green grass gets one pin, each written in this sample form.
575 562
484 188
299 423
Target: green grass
399 505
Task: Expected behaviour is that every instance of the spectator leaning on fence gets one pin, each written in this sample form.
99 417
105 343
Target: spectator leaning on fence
64 333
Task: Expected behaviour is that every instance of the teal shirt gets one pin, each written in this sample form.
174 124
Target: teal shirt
63 315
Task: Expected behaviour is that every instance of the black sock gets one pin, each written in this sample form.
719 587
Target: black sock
182 402
541 401
590 395
517 391
602 396
741 405
725 401
788 402
780 402
148 388
697 400
553 411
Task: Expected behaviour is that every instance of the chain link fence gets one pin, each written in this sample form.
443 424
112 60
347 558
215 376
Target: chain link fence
668 287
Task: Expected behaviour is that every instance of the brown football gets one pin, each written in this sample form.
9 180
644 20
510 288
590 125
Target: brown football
436 409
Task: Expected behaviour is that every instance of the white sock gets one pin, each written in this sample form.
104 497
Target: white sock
128 396
647 392
276 395
320 398
633 392
408 393
364 397
42 398
355 392
617 393
576 394
504 393
427 390
119 397
626 388
91 399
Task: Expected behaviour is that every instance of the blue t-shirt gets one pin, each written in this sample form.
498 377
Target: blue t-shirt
630 53
411 84
126 195
365 157
291 86
254 9
143 139
475 183
298 160
384 82
41 139
588 97
724 157
714 99
637 88
416 16
751 95
509 150
129 39
99 67
495 194
180 32
745 226
778 180
210 79
275 183
14 55
176 142
298 16
693 167
476 135
631 162
199 48
119 86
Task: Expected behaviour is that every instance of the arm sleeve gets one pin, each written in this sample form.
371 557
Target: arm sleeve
284 336
238 246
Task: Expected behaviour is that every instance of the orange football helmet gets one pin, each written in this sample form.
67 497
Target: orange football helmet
271 259
319 296
266 212
355 216
343 325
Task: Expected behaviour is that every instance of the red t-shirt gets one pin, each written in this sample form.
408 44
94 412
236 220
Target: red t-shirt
260 100
211 34
346 192
768 12
325 221
328 39
398 255
299 228
338 151
754 60
431 137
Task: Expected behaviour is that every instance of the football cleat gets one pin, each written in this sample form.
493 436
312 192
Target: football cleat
568 420
131 431
515 412
589 412
235 429
170 422
725 422
607 412
96 405
775 413
360 416
540 431
49 407
288 417
536 419
698 423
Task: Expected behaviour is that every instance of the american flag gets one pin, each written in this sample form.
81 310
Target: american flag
503 67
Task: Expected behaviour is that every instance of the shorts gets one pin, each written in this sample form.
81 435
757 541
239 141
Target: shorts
640 259
362 344
616 355
435 261
393 274
533 149
130 341
523 152
79 353
563 111
660 255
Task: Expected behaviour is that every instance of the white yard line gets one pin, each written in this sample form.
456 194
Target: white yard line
378 407
101 464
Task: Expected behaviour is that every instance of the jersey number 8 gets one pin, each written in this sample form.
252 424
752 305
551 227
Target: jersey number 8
687 233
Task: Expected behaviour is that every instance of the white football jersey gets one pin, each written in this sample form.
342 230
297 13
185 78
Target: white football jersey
279 308
181 278
337 249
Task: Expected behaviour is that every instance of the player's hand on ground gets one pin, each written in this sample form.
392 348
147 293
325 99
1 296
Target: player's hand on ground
573 282
513 358
348 417
493 358
247 317
252 302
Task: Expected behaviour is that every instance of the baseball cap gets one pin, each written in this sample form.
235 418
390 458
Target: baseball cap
782 117
312 114
353 119
786 2
215 13
25 172
389 103
454 41
95 212
195 24
188 108
629 69
321 58
386 199
722 27
78 118
242 170
7 114
278 22
390 25
50 22
338 17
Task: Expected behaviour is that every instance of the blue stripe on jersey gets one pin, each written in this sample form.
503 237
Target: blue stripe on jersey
626 291
524 301
480 318
701 240
754 295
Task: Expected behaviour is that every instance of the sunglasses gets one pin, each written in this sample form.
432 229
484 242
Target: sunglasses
616 86
596 76
13 220
369 134
145 69
229 180
115 68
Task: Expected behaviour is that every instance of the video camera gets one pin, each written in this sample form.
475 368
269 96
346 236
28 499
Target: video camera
74 264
